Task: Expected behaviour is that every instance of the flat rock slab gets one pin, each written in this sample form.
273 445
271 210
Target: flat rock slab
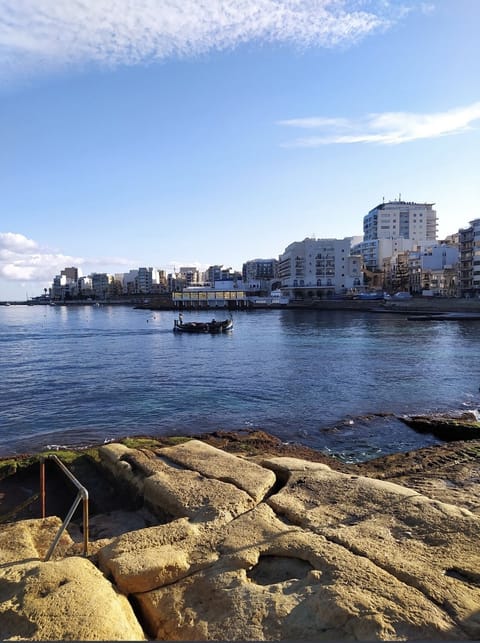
143 560
427 545
215 463
184 493
193 480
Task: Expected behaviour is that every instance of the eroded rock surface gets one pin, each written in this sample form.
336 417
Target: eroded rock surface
65 599
279 548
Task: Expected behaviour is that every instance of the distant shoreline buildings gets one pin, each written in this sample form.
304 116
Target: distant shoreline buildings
399 252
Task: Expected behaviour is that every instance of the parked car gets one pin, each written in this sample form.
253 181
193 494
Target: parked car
402 295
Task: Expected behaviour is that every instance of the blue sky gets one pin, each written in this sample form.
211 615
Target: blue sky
154 133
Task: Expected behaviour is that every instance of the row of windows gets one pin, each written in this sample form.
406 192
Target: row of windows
202 295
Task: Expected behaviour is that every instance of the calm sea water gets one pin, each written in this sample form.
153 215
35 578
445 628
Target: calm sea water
81 375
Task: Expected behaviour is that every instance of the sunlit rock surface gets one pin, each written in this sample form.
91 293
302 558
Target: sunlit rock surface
279 548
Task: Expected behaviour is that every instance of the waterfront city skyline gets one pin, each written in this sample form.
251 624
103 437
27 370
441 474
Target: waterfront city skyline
201 133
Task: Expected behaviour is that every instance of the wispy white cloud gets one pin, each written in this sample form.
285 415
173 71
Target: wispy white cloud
112 32
389 128
24 260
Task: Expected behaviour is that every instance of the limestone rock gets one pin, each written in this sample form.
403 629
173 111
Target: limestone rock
427 545
114 458
31 539
184 493
329 555
150 558
68 599
192 480
277 581
215 463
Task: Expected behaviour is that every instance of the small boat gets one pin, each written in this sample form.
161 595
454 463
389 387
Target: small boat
213 327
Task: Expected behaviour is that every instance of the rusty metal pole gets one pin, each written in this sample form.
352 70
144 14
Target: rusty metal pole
85 525
42 487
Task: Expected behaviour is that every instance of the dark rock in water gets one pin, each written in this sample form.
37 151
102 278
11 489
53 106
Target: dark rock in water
464 426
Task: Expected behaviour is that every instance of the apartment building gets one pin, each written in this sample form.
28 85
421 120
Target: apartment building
469 247
396 227
259 269
376 251
101 282
401 219
315 268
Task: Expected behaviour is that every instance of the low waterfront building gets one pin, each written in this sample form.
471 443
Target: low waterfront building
223 294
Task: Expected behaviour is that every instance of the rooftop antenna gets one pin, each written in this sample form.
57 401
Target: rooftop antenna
399 196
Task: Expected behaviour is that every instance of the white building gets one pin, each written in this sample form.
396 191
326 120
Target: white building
318 268
376 251
396 227
401 219
145 279
439 257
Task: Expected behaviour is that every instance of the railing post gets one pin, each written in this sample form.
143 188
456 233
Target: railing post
82 495
42 487
85 526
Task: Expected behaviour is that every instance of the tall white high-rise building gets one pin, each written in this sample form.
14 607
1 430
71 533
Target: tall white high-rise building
396 226
401 219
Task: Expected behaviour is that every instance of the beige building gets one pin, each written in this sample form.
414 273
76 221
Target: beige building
316 268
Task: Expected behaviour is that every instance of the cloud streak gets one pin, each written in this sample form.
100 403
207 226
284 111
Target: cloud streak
24 260
35 33
389 128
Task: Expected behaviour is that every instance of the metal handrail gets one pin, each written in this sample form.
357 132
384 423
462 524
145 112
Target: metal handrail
82 495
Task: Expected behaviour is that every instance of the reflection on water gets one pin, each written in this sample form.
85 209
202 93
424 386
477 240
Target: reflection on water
85 374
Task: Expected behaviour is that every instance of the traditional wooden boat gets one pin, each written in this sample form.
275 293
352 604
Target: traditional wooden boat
213 327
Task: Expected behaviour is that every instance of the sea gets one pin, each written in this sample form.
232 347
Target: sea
336 381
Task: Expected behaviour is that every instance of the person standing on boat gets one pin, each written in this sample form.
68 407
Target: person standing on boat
180 318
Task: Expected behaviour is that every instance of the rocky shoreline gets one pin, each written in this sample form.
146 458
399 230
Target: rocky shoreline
238 536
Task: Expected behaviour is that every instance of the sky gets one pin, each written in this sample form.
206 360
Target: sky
167 133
